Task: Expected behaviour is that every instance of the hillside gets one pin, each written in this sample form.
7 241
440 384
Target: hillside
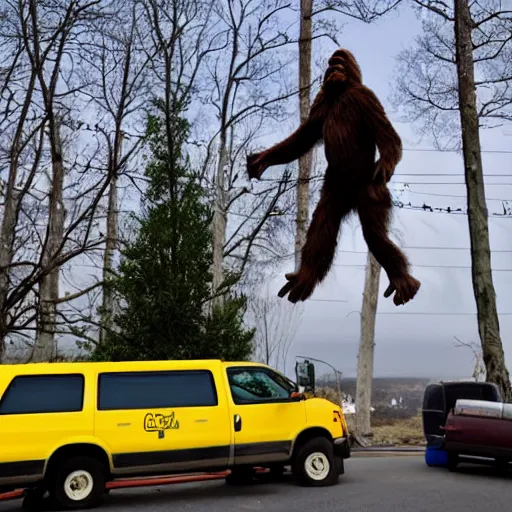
385 389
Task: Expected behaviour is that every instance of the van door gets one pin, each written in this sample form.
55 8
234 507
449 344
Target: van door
163 421
265 419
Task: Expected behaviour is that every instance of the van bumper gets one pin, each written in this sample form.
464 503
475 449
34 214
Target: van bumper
341 447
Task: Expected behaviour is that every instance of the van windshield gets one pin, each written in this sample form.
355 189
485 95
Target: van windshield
256 384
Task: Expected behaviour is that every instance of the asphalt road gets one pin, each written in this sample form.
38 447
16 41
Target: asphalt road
376 484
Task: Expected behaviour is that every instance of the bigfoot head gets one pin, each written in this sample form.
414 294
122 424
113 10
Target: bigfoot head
342 70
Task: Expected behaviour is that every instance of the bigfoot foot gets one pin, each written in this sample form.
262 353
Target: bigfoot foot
405 288
299 287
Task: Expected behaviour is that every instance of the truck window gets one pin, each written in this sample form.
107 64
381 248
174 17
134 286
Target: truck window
250 385
156 390
38 394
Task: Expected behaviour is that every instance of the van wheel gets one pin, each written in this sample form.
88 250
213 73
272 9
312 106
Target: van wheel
79 484
315 464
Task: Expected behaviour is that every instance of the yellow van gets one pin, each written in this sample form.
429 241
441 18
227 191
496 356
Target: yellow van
68 428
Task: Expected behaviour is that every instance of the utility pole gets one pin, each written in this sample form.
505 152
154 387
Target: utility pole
483 287
366 347
305 161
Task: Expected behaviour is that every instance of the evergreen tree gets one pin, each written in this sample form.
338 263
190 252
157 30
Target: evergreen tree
164 279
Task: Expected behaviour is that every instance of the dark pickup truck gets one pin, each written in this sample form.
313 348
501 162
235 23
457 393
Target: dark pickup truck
481 429
439 400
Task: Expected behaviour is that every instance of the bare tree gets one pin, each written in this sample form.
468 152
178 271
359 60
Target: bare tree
18 134
148 52
118 56
276 324
248 90
438 87
478 360
427 87
47 42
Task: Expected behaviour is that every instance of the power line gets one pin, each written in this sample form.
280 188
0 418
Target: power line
328 300
432 313
402 206
436 209
449 195
428 247
434 150
424 266
443 183
416 313
448 174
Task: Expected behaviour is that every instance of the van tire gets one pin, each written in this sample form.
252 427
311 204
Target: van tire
89 472
317 452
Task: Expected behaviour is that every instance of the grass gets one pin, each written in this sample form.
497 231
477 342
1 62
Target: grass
400 432
387 431
394 432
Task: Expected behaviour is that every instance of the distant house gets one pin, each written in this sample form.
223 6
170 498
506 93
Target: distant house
350 407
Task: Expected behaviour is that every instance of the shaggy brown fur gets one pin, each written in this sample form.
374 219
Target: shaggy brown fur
352 123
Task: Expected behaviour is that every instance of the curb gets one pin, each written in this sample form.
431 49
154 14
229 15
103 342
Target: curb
367 455
397 449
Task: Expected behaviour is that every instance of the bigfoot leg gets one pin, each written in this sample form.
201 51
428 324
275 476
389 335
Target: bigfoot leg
320 247
374 208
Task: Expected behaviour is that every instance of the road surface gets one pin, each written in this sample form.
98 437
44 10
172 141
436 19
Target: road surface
370 484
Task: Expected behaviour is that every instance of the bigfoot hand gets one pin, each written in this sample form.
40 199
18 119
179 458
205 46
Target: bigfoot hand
405 288
255 165
299 286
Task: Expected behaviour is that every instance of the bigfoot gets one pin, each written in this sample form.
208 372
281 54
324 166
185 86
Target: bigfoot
352 123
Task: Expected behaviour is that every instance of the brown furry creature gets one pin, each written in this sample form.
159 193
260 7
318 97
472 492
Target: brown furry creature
352 123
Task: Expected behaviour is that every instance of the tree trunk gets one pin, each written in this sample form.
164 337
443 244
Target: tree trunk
10 214
219 224
7 234
111 243
305 162
366 347
483 287
45 348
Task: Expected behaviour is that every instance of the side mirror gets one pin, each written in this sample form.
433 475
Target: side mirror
297 396
305 373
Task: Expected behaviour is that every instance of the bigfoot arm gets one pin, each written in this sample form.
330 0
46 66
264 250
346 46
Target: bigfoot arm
387 139
293 147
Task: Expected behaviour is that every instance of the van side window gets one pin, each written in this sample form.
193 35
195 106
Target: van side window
156 390
38 394
257 385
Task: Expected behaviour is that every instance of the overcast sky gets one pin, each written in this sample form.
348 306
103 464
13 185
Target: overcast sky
416 339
